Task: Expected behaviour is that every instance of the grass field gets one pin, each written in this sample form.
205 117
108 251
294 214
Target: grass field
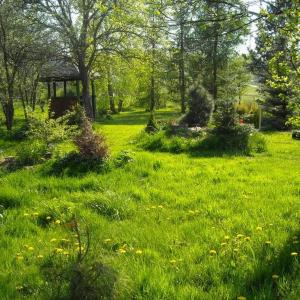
170 226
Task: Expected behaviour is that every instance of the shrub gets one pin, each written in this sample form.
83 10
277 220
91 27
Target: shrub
123 158
225 118
30 154
91 146
151 142
51 131
200 107
294 122
257 143
176 145
74 164
80 275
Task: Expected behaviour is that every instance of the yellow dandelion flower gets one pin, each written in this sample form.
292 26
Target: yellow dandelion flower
26 215
122 251
275 276
173 261
53 240
30 248
35 214
59 250
66 253
212 252
107 241
76 244
160 206
138 252
259 228
57 222
226 237
80 248
191 212
153 206
19 257
40 256
294 253
247 238
239 236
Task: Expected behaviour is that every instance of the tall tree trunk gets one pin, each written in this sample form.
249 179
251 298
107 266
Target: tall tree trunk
152 80
182 84
34 94
110 91
23 102
152 94
215 57
9 109
86 97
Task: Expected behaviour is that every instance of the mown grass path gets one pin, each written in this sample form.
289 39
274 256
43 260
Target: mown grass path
172 226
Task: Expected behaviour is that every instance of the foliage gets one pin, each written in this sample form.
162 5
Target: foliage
225 117
31 153
276 60
80 275
123 158
294 122
242 139
91 146
51 131
200 107
160 141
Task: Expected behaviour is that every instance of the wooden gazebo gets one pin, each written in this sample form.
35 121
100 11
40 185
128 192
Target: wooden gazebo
63 73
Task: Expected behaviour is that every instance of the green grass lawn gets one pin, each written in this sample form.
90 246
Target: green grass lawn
170 226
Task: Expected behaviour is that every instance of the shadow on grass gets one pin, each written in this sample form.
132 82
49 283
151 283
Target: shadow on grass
285 265
138 118
73 165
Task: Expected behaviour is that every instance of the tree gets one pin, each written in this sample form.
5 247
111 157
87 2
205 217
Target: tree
200 106
21 42
86 28
181 14
276 60
220 27
234 78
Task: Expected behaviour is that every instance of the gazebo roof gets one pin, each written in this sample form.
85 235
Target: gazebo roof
59 70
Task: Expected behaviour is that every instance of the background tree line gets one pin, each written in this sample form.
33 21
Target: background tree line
148 53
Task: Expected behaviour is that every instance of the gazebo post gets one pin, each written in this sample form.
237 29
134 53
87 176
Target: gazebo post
65 88
49 90
54 89
93 98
